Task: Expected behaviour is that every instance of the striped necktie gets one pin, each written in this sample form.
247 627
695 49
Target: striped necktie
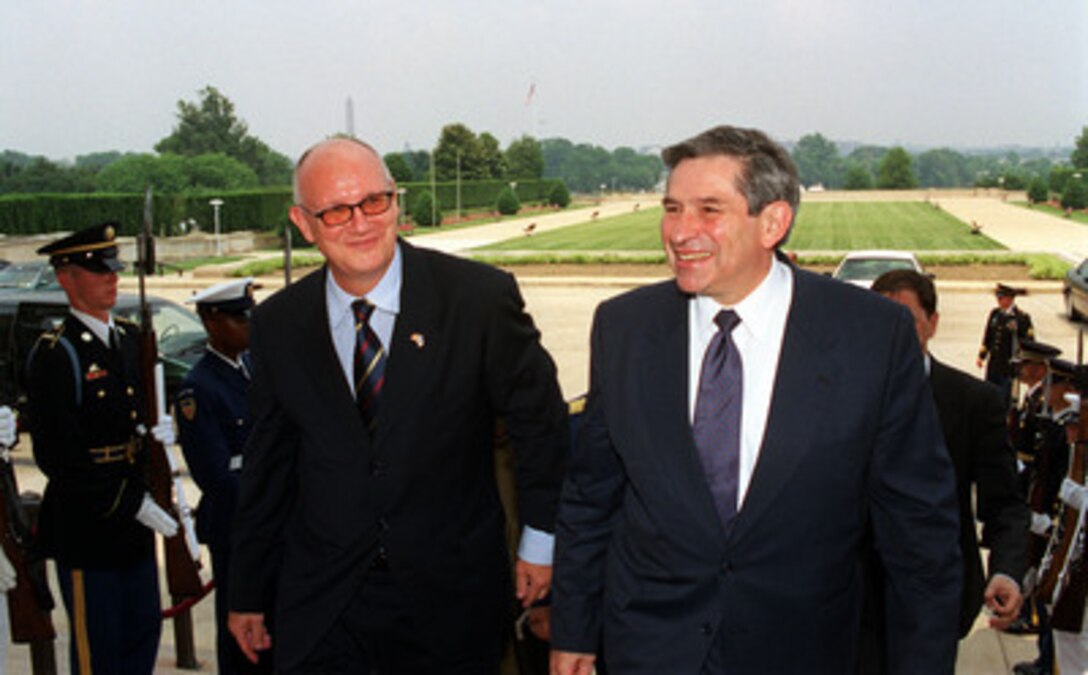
369 365
716 426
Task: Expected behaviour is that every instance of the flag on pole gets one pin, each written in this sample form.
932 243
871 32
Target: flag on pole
532 91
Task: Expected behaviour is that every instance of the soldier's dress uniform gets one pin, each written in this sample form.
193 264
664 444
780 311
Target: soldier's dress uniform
213 424
85 408
1003 330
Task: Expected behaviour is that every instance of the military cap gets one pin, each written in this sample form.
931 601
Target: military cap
1030 350
229 297
1008 291
92 248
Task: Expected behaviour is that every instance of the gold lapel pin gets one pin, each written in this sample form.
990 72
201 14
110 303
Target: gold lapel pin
417 339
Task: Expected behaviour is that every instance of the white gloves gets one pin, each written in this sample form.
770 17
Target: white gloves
7 573
153 516
7 427
163 432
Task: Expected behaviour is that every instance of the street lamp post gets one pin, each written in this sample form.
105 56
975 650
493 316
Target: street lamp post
403 207
216 203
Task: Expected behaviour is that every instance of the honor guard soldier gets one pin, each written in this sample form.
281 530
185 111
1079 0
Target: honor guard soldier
1042 460
97 517
213 424
1006 326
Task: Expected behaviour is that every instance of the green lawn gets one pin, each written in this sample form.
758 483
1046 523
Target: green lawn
837 226
1076 216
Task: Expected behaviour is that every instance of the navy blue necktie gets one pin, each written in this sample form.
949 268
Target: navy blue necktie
716 426
369 364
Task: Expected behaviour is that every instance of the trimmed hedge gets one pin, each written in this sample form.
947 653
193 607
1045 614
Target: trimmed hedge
258 209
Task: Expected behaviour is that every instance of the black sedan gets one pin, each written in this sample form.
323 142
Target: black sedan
1076 292
25 315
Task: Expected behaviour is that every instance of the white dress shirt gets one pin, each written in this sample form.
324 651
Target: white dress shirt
758 338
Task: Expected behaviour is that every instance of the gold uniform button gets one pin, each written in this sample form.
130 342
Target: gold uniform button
101 393
132 414
129 391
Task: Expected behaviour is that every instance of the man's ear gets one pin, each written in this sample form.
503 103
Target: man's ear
299 219
774 223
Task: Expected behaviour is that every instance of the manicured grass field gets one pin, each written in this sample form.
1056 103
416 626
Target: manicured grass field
827 226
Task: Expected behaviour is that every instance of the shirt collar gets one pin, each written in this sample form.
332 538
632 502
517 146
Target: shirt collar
385 295
756 311
100 328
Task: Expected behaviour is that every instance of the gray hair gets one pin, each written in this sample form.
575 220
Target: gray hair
768 173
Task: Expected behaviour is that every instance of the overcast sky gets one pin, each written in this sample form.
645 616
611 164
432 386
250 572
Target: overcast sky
86 76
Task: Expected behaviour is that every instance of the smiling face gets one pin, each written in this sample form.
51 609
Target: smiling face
340 172
713 245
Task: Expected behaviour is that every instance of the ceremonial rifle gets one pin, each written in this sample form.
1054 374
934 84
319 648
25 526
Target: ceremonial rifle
30 602
1055 566
182 552
1071 586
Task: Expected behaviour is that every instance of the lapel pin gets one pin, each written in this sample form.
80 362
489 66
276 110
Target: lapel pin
85 336
417 339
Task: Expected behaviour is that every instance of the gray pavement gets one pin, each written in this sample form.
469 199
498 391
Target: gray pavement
563 308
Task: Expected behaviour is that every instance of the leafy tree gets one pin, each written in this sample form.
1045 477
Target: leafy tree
1037 191
559 196
458 146
491 158
868 156
211 126
943 167
1075 194
97 160
218 171
895 171
399 168
817 161
420 163
421 211
856 176
41 175
507 202
165 174
1079 158
524 158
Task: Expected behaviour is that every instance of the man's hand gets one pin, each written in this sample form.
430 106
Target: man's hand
249 632
570 663
1003 597
532 582
163 431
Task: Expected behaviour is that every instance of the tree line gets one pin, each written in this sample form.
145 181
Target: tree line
819 162
211 148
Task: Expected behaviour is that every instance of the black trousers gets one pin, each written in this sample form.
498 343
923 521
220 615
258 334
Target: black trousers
377 635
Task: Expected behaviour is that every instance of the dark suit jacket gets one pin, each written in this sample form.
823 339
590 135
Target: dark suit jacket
318 497
973 420
852 440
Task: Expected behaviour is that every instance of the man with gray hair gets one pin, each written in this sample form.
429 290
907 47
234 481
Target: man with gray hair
747 423
368 506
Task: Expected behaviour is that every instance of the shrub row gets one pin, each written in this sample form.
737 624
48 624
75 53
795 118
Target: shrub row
260 209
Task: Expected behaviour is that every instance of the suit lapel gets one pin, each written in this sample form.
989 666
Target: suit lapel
317 355
802 394
665 391
416 341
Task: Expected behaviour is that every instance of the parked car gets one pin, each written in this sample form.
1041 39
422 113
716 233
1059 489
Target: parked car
1075 290
29 276
25 315
861 268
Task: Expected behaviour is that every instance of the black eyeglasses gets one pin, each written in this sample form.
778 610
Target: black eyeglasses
371 205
